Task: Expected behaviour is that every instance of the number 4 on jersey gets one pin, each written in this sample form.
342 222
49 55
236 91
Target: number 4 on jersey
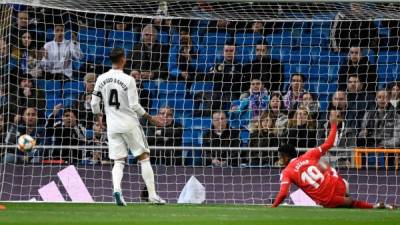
113 100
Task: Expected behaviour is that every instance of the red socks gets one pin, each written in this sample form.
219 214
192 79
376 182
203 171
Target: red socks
361 205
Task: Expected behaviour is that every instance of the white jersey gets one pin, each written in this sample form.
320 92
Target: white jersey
120 98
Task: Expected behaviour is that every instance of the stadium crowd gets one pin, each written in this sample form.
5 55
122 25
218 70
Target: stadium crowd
211 83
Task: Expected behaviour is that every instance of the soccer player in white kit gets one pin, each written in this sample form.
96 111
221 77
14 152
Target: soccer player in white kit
121 104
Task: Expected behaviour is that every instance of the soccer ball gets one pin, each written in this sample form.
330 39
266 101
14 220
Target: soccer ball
26 143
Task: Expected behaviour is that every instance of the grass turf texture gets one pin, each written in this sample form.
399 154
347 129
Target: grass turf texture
68 214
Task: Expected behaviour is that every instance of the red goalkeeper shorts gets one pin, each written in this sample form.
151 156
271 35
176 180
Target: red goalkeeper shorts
338 196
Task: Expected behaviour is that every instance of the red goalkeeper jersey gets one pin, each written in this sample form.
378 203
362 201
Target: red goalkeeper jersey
316 180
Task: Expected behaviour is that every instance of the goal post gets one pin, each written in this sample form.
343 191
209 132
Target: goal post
230 80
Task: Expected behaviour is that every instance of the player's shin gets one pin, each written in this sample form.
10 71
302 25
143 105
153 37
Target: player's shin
117 174
148 176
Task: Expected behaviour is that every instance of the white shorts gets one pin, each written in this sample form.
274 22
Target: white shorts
134 140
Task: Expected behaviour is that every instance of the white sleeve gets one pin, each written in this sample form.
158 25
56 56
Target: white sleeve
44 62
96 99
133 98
75 49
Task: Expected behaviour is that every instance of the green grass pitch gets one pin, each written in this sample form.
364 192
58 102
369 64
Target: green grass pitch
144 214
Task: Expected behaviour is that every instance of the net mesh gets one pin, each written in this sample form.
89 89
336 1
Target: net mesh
231 81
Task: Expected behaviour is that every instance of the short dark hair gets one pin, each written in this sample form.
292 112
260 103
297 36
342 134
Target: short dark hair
298 74
288 150
230 41
353 75
70 110
116 54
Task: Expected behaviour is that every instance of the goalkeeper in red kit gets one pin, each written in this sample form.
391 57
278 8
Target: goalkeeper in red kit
319 181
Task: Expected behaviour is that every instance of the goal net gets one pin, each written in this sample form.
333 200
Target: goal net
229 81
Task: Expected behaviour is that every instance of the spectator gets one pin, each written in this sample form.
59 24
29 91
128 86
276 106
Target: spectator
31 127
85 111
295 93
7 136
278 111
395 94
67 132
268 70
27 95
302 129
358 101
182 63
378 123
255 103
26 55
8 65
264 134
169 134
149 59
346 133
221 135
353 27
164 28
358 65
394 141
97 156
310 102
229 81
23 24
58 55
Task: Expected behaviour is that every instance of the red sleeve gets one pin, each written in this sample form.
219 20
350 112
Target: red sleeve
330 140
322 149
284 190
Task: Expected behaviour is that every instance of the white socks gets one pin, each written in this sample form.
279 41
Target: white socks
117 174
148 177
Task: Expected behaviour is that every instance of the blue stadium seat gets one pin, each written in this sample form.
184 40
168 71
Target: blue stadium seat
284 38
389 57
245 54
201 87
244 137
171 89
122 39
163 37
69 100
248 38
280 53
209 55
323 99
74 87
89 52
175 39
51 87
388 72
219 38
101 55
302 56
89 134
319 73
326 57
92 36
151 86
327 88
192 137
